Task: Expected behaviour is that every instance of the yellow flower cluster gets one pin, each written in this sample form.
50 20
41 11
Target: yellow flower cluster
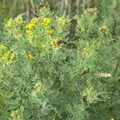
30 56
46 22
30 26
32 23
8 54
103 29
3 47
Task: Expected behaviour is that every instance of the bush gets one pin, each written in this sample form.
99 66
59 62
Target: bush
41 78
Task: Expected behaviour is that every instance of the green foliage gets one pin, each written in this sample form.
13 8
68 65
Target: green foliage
41 78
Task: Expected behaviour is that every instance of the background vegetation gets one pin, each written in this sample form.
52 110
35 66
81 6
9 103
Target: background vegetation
59 60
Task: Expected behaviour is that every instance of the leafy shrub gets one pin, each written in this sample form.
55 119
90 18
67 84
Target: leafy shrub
43 79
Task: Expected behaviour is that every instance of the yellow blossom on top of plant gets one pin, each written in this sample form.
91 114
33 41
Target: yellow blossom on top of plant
30 26
91 11
46 22
56 43
35 20
8 54
49 32
3 47
30 56
9 23
103 28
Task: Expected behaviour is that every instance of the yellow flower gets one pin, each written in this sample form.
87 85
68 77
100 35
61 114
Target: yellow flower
30 26
56 43
10 23
3 47
46 22
30 56
8 58
103 29
7 54
49 32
